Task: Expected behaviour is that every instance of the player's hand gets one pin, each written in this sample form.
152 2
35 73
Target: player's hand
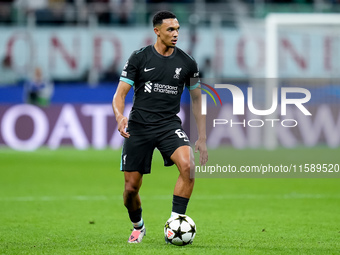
122 125
201 146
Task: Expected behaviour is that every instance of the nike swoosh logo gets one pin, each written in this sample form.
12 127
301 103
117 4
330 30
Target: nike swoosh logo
147 70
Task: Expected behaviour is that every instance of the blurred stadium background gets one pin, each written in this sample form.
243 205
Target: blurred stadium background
61 61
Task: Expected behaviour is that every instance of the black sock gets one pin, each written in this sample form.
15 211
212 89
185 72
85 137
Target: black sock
179 204
136 218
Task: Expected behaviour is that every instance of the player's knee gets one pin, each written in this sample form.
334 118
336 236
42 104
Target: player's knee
186 167
131 189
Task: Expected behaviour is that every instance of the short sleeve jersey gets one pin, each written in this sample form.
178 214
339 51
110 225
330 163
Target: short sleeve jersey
158 83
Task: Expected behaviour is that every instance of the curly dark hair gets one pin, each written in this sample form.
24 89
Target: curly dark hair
159 16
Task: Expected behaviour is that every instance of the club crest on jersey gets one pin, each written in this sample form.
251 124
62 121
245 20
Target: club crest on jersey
148 86
177 73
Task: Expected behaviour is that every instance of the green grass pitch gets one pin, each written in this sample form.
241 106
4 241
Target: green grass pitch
70 202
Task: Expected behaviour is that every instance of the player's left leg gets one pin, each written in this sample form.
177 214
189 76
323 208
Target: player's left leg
184 159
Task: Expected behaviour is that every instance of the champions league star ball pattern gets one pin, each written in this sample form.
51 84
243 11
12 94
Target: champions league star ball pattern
180 230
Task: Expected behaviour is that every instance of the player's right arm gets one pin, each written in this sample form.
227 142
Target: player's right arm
118 105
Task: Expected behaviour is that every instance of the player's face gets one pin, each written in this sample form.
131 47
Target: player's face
168 32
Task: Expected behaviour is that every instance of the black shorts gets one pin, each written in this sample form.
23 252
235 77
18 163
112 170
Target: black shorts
138 149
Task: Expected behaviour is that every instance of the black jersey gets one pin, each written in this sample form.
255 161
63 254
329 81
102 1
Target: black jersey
158 83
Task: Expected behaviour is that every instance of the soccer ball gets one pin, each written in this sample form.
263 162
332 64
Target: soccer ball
180 230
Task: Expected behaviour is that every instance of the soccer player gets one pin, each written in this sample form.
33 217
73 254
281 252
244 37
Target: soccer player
158 73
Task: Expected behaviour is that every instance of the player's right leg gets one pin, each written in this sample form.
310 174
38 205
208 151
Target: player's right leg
135 162
133 182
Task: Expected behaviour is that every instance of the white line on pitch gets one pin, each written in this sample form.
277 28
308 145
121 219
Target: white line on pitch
168 197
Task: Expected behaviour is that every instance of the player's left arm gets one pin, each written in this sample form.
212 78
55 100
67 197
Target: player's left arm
200 144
